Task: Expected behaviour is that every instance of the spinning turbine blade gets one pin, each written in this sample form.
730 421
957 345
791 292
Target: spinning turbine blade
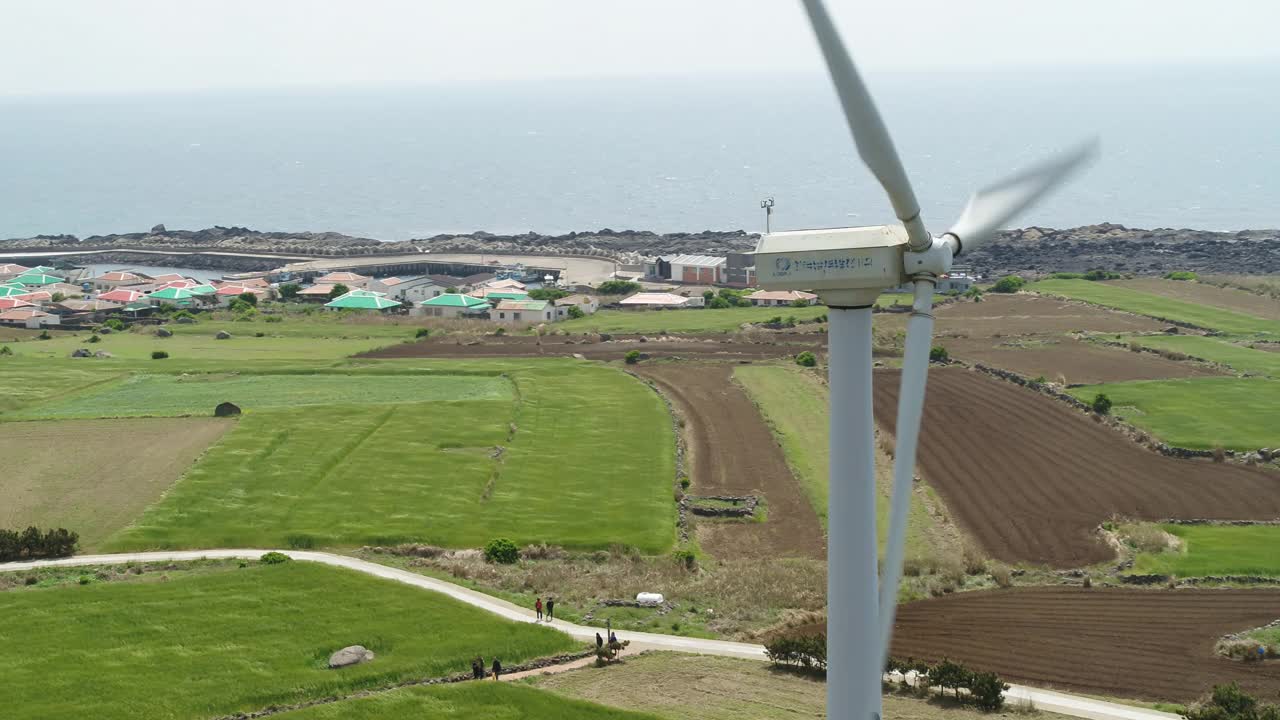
915 371
869 133
993 206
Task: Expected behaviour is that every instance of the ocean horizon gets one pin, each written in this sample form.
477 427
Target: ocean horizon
1190 147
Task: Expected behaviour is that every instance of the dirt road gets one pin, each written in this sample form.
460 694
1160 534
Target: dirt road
728 347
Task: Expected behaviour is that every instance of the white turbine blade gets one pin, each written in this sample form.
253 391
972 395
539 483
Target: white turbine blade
993 206
869 133
915 371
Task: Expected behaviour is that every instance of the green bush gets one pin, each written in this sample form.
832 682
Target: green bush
93 339
806 359
501 551
159 355
115 324
574 312
808 651
183 314
44 335
1009 284
6 350
1229 702
1101 404
686 559
1067 276
617 287
274 558
632 357
288 291
799 303
986 690
937 353
718 303
1181 275
547 294
32 544
248 298
338 291
274 319
422 332
1098 275
950 675
708 295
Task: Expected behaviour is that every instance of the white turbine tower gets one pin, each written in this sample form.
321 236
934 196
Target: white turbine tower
848 268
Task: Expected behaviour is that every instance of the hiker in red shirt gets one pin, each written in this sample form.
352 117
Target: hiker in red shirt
537 605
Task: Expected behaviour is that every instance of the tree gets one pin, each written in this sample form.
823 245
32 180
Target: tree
1009 284
248 297
718 303
937 353
289 291
617 287
806 359
548 293
708 295
574 312
973 292
240 306
1229 702
1101 404
987 691
950 675
451 290
632 357
338 291
114 323
502 551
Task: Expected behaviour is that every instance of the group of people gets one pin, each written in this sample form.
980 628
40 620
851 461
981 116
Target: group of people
477 668
550 606
613 638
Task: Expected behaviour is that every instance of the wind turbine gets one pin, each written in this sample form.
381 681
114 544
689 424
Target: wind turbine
848 268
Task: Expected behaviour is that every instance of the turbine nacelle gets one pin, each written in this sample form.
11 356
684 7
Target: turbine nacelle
847 267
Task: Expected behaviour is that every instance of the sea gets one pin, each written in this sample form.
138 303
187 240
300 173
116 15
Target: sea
1187 146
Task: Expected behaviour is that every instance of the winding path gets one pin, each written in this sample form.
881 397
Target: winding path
1065 704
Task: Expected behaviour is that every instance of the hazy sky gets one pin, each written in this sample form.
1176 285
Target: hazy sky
77 46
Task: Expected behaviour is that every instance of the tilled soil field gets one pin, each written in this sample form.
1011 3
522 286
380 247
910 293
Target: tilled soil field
1076 361
1228 298
733 453
1145 644
1031 478
731 347
1023 314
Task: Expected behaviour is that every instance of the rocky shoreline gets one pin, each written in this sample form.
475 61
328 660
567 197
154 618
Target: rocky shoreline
1029 250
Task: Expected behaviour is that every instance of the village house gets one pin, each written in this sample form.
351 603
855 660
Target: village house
660 301
454 305
587 304
695 269
773 298
28 318
116 278
414 290
523 311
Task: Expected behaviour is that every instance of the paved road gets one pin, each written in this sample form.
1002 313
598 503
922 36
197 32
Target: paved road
1063 703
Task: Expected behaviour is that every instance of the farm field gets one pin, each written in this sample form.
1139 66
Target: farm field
234 640
1217 550
733 453
463 701
693 320
1027 314
355 474
795 405
118 468
1240 358
1199 413
677 687
1031 479
178 395
1154 645
757 345
1233 299
23 383
1160 307
1078 362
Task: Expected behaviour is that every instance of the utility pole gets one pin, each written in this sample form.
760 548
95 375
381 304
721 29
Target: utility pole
767 204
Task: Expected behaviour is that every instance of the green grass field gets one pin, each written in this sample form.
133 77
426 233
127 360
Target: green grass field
1239 357
465 701
25 382
235 640
683 321
1217 550
795 405
380 474
1158 306
197 394
1199 413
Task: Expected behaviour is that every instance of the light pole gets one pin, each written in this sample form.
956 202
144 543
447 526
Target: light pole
767 204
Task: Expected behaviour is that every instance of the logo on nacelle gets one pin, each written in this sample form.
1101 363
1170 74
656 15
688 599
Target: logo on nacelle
782 264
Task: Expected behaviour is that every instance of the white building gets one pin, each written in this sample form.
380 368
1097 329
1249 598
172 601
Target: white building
415 290
587 304
523 311
770 298
662 300
698 269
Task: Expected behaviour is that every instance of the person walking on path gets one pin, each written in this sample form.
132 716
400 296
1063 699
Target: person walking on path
477 667
497 668
551 609
537 605
599 641
612 637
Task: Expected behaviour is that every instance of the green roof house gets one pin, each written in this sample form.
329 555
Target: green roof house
524 311
362 300
454 305
34 278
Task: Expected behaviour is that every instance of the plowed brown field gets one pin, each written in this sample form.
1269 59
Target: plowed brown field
1031 478
1147 644
728 347
1229 298
733 453
1078 362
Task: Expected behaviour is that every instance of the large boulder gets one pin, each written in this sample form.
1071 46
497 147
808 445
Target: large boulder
103 354
158 229
164 332
226 409
350 655
222 335
185 320
82 352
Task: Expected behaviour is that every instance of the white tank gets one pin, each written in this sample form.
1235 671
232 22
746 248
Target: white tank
645 598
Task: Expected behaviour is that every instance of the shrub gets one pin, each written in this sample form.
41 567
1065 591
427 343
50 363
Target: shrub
1180 275
501 551
422 332
159 355
684 482
183 315
274 319
1009 284
93 339
632 357
708 295
1000 574
718 303
44 335
937 353
32 543
685 558
1097 275
575 313
1066 276
799 303
806 359
337 291
617 287
115 324
809 651
6 350
548 293
986 690
289 290
274 558
1229 702
950 675
1101 404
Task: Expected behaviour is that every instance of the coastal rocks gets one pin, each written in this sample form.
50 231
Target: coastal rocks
158 229
350 655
